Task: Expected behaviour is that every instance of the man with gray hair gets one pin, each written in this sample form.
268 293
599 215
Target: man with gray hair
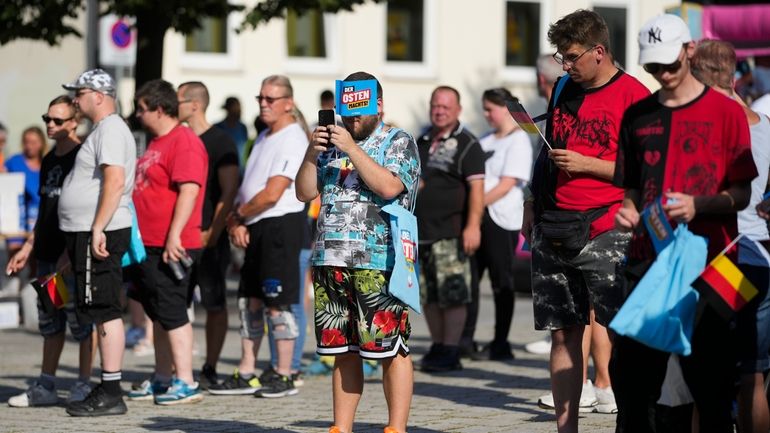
267 223
95 217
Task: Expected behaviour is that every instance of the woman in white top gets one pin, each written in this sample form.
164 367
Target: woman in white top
508 166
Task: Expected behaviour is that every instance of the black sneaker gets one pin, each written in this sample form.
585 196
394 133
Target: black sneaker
268 375
282 386
208 377
98 403
236 385
447 360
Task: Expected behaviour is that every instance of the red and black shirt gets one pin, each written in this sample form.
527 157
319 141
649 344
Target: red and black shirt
586 121
700 148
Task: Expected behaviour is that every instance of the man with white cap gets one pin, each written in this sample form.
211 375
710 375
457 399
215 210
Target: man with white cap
689 145
95 218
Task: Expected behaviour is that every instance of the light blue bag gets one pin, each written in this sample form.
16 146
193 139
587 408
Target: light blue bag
136 252
404 283
660 312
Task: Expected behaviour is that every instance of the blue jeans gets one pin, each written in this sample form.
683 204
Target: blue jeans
298 310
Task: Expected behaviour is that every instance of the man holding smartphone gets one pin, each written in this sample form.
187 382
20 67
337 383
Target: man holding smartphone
168 195
357 169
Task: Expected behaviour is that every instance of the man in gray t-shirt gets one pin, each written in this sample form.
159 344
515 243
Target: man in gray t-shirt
96 220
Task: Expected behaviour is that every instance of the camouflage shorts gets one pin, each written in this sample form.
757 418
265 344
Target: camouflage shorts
445 274
565 287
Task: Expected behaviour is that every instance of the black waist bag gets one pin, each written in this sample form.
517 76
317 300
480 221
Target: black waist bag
568 230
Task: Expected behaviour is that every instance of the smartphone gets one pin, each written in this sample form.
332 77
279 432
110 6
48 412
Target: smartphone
326 118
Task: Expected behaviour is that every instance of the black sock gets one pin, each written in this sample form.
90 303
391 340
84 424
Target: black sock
111 382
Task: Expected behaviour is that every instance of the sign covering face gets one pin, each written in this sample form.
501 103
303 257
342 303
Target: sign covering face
356 98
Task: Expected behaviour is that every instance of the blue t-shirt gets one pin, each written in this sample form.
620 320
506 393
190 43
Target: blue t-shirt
239 134
17 164
353 231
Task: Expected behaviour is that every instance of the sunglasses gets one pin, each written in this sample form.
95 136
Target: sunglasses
655 68
58 122
270 100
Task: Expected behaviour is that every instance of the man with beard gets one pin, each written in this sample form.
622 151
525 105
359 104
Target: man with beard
357 170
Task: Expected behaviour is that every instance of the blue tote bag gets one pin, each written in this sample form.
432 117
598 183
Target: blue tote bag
660 312
136 252
404 283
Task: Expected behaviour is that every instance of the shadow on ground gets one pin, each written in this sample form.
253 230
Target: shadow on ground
361 427
192 425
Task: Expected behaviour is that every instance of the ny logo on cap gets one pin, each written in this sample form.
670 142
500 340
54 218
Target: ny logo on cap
653 35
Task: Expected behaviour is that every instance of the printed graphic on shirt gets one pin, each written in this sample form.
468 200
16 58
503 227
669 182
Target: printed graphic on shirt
352 229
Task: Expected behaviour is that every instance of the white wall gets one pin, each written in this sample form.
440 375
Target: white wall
31 75
465 49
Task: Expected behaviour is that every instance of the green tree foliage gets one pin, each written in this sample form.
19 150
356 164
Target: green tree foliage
51 20
46 20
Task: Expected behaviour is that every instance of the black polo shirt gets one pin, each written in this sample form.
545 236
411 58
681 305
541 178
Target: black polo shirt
448 163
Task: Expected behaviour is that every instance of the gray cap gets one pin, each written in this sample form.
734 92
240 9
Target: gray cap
95 79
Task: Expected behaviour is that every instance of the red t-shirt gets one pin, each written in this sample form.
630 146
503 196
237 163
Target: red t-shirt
700 148
175 158
587 121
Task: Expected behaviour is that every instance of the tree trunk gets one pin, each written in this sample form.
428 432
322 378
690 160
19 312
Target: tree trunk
151 31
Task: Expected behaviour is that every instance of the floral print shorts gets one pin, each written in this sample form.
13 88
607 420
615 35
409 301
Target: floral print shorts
355 313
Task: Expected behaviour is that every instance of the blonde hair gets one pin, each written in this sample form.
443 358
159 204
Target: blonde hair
713 63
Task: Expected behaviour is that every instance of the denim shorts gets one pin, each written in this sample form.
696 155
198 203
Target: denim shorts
52 324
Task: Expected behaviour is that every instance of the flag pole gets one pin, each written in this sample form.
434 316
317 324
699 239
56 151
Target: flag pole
731 244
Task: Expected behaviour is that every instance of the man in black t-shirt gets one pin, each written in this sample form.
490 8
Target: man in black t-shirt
46 245
221 188
449 210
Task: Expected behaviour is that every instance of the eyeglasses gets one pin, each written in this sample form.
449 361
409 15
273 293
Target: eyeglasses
183 101
269 99
57 121
570 60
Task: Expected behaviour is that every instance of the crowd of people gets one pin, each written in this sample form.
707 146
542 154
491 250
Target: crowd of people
609 149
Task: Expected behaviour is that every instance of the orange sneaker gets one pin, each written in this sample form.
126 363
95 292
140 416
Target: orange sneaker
334 429
390 429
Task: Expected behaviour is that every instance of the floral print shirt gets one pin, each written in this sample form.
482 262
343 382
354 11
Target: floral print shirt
353 231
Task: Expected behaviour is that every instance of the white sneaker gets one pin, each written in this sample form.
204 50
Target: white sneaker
79 392
542 347
588 399
36 395
605 400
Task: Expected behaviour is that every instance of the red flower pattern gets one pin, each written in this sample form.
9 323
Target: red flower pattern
402 323
332 337
371 346
338 276
385 321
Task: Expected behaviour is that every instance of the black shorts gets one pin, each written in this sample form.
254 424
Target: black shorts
270 270
210 275
496 254
164 298
106 276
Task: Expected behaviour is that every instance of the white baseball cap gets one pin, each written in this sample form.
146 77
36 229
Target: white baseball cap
661 39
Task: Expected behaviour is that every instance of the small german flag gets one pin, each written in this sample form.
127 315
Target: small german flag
724 286
52 292
521 116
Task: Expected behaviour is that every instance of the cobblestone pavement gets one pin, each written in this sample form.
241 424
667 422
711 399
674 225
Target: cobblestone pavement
485 396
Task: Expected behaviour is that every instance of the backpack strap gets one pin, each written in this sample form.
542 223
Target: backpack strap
559 87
